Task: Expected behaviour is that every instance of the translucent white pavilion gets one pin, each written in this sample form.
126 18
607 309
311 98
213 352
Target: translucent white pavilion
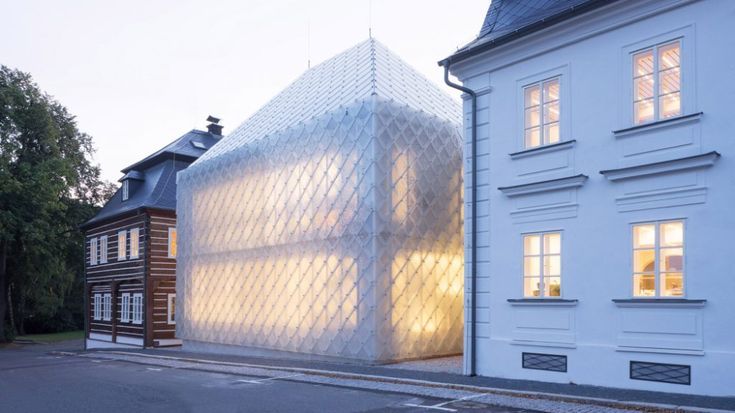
330 222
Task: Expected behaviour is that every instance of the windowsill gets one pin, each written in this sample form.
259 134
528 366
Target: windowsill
659 303
692 117
543 149
544 186
555 302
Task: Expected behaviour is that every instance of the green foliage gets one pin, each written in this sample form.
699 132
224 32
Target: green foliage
48 186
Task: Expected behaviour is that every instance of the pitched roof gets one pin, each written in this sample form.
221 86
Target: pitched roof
366 69
508 20
155 177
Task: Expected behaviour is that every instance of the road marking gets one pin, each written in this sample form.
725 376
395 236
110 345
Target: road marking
153 369
445 409
260 381
96 361
439 406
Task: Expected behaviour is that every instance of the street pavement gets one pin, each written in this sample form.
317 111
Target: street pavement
33 379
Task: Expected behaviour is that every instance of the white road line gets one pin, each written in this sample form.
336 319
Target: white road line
445 409
153 369
459 400
260 381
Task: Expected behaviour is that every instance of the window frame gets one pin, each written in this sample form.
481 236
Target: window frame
125 190
168 242
657 273
137 305
107 307
541 256
565 125
169 319
103 249
134 243
687 75
97 311
122 247
93 251
125 308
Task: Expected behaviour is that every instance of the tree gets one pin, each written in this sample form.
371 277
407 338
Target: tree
48 186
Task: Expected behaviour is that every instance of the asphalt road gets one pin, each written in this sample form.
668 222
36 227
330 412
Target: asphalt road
31 380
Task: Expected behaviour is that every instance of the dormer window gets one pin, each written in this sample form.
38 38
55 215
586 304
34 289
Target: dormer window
125 190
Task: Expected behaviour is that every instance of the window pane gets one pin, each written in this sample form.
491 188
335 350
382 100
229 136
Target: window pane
532 96
669 82
531 266
644 236
532 245
552 265
672 284
643 63
552 243
551 90
643 111
533 137
644 260
551 112
532 117
668 56
643 87
672 234
670 105
644 285
531 287
552 286
551 132
672 259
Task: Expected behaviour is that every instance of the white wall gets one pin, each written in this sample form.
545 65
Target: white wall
599 337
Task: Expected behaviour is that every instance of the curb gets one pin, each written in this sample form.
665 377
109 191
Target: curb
611 403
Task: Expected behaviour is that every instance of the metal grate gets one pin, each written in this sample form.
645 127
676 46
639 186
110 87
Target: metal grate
549 362
665 373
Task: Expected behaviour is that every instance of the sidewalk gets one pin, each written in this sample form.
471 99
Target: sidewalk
402 374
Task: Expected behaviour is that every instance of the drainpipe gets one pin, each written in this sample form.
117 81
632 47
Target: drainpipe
473 222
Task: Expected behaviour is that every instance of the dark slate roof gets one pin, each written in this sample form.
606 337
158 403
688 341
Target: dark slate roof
508 20
155 177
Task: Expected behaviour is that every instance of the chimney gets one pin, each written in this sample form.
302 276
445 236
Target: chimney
214 127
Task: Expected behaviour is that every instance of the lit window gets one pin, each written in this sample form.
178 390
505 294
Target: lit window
172 242
137 308
134 243
541 113
658 259
122 241
172 309
93 251
125 190
103 249
125 308
97 306
107 307
542 265
657 83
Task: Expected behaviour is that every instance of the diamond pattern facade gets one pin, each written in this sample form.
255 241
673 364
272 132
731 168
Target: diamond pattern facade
330 223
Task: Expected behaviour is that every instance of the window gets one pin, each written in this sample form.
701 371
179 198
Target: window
658 259
542 265
97 307
122 241
93 250
137 308
125 308
541 113
172 309
107 307
134 243
172 242
103 249
125 190
657 83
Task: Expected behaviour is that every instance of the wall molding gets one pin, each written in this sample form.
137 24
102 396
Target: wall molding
544 186
665 123
544 149
673 165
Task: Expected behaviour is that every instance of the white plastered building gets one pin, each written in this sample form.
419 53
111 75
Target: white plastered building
330 222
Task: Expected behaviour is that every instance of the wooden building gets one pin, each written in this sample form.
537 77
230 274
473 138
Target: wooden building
131 250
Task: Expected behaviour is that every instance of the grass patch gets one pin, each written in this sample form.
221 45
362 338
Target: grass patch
54 337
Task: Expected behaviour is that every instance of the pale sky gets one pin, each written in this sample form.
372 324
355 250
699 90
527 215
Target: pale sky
138 74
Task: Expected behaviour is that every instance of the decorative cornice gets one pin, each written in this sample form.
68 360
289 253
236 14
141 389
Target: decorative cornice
690 162
543 149
544 186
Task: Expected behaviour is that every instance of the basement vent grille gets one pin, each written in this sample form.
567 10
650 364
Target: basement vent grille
550 362
665 373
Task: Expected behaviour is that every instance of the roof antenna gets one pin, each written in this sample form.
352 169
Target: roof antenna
370 19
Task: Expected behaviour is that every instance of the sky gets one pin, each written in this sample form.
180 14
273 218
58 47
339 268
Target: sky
139 74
